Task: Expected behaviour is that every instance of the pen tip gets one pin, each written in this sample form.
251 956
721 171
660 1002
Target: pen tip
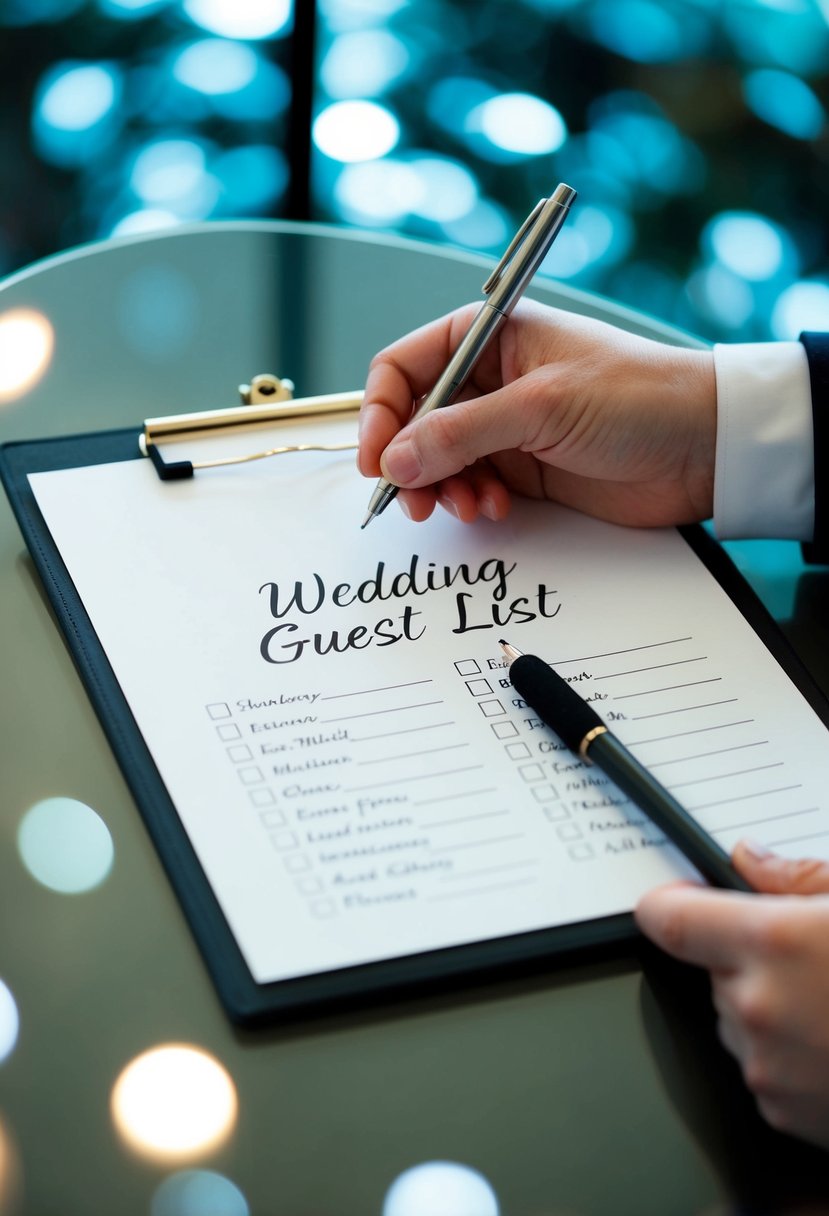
366 521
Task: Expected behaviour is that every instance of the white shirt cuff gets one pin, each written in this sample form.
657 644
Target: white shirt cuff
764 482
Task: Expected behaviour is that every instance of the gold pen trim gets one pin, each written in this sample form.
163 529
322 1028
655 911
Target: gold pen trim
588 739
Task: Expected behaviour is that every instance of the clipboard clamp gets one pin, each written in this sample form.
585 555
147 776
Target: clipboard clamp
266 399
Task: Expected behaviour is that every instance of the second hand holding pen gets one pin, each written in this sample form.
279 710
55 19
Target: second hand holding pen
580 727
503 289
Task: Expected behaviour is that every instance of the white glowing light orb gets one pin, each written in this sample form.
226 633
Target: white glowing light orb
441 1188
804 305
215 66
520 123
241 18
26 344
174 1101
9 1022
65 845
351 131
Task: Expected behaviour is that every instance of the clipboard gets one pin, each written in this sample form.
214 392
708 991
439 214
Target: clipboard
247 1002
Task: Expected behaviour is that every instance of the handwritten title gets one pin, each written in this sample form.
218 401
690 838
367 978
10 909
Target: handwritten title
288 640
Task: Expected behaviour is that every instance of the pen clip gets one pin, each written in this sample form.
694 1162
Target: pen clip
512 248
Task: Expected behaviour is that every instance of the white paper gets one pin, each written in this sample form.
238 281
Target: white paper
332 716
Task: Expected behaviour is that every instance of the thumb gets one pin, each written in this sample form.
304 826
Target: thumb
447 440
774 875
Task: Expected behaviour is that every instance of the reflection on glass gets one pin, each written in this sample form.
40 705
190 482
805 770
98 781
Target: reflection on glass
441 1188
198 1193
9 1022
65 845
9 1174
158 312
174 1101
26 343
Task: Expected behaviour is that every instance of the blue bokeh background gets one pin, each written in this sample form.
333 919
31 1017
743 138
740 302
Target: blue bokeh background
694 130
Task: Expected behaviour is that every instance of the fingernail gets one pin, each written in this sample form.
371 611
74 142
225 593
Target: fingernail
401 463
449 506
488 508
756 850
404 508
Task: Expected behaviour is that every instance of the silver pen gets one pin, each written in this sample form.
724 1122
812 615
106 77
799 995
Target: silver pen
503 289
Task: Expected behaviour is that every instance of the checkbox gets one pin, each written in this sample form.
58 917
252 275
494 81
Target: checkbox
309 886
479 688
569 831
581 852
491 709
517 751
504 730
467 667
557 811
323 907
272 819
544 793
250 776
261 797
226 733
239 753
284 841
531 772
296 863
219 709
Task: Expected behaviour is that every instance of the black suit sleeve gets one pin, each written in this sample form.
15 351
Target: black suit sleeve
817 352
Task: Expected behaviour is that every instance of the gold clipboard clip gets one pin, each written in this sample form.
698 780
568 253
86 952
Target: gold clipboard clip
266 399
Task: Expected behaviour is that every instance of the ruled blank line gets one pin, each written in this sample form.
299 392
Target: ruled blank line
477 844
701 730
775 844
512 865
410 730
607 654
684 710
453 797
446 823
520 882
362 692
723 776
376 712
753 823
781 789
626 696
635 671
357 789
720 751
429 751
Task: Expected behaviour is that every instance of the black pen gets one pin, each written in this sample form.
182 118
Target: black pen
584 732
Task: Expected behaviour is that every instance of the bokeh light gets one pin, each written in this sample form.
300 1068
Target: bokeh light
803 305
26 344
235 19
355 130
65 845
174 1101
519 123
440 1188
9 1022
786 102
693 131
198 1193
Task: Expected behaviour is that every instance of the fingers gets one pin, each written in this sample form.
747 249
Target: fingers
708 928
775 875
399 376
447 441
479 491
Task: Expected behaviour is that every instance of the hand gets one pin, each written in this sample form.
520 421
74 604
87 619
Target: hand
768 955
558 407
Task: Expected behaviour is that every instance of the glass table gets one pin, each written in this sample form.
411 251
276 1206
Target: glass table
595 1085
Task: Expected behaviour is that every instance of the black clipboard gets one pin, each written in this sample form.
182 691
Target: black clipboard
247 1002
